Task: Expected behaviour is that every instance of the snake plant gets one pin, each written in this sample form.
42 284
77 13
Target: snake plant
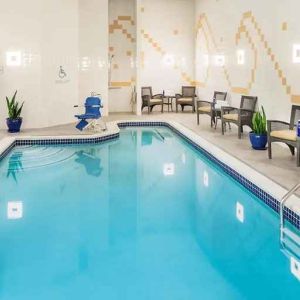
14 108
259 122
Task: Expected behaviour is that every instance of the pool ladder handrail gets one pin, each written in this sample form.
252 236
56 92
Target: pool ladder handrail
160 135
282 205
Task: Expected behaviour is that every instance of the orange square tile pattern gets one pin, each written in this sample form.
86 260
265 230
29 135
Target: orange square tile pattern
117 25
248 16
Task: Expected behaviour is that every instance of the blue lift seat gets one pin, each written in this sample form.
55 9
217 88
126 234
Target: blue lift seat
92 112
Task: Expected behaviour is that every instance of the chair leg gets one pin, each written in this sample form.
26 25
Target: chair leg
198 121
149 109
269 148
223 126
240 128
162 108
176 107
292 149
298 156
182 107
216 123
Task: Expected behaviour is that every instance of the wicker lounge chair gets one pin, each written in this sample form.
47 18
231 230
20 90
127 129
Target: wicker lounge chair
239 116
284 132
207 107
149 100
186 98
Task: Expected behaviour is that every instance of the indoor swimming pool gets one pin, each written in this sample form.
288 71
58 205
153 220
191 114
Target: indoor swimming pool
144 216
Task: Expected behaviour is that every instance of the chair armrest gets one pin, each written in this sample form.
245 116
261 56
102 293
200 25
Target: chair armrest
205 103
228 109
279 122
245 110
92 106
178 96
277 125
157 96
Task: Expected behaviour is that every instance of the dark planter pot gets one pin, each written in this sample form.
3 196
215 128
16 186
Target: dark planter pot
14 125
258 141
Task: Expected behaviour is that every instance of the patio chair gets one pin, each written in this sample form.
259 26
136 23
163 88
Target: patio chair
92 113
149 100
239 116
186 98
207 107
284 132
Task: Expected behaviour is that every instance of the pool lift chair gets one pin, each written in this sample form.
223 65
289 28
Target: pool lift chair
90 119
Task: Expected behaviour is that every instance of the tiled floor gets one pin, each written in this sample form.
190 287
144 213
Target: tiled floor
281 169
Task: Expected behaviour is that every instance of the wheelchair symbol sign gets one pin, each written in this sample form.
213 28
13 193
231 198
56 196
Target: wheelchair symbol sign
62 74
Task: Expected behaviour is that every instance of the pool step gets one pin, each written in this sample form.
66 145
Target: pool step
291 235
290 243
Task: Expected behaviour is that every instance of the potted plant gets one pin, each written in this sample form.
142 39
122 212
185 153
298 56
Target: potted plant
258 136
14 120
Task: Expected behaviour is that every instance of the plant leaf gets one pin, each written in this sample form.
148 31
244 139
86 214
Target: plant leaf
13 107
259 122
18 113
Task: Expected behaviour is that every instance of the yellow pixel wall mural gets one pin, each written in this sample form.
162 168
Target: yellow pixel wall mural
242 52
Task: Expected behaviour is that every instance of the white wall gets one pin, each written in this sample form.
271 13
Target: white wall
122 45
50 34
74 34
93 49
269 28
59 47
28 27
166 58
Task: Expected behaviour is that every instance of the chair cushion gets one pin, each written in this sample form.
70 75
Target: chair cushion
205 108
232 117
185 100
289 135
155 100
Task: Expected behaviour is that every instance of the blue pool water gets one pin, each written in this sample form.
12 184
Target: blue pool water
141 217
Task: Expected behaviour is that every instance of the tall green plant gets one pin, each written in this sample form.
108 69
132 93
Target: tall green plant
259 122
13 107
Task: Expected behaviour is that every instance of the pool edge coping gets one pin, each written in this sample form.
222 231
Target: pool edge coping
263 187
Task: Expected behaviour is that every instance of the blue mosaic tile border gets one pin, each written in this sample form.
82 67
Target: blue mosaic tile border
7 150
144 124
68 141
273 203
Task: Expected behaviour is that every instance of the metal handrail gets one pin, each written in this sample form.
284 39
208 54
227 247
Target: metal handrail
282 202
160 135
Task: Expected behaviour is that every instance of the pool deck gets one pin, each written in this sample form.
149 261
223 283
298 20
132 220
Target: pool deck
281 169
